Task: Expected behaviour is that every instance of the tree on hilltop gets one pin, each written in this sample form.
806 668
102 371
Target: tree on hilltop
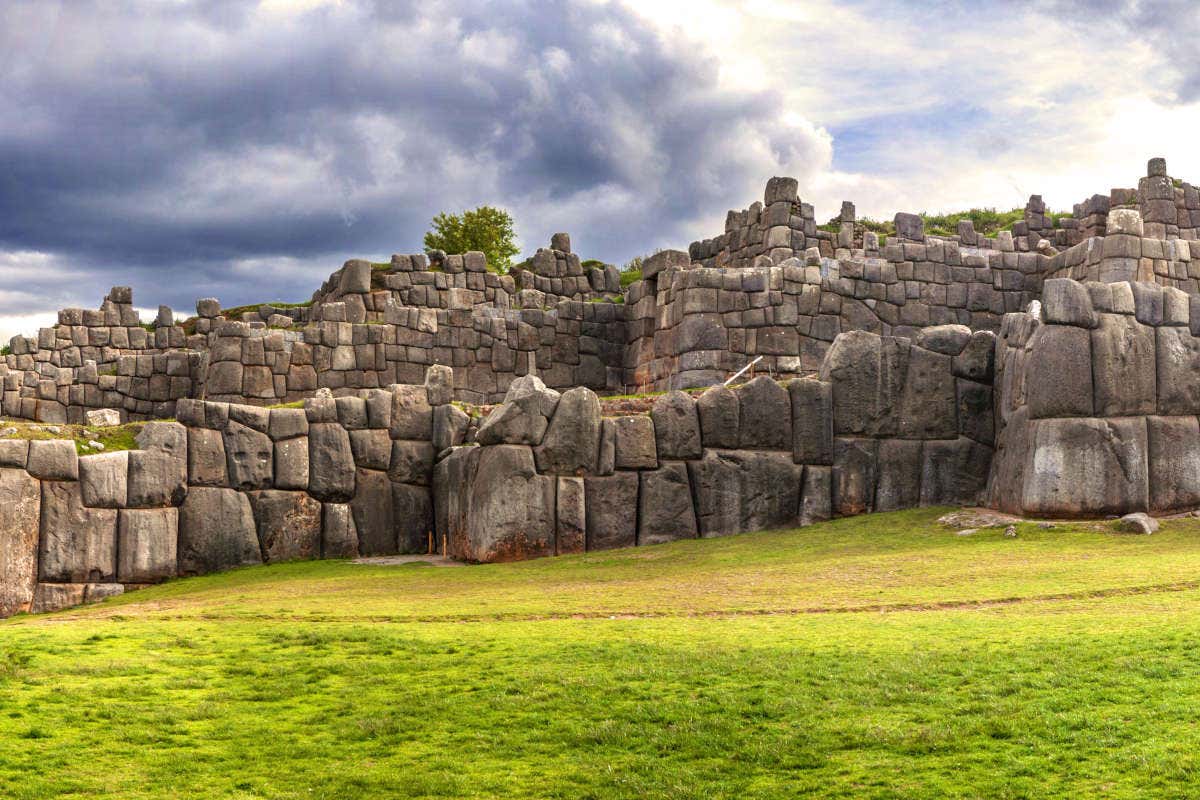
487 229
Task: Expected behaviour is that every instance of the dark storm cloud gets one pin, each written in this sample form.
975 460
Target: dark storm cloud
161 144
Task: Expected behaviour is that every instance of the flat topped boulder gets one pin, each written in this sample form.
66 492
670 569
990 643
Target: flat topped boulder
523 416
663 259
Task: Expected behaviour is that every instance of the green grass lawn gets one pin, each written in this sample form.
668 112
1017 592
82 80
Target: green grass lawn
880 656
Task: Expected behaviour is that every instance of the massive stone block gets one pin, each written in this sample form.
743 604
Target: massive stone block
719 417
854 473
611 510
216 531
812 421
103 479
953 472
53 460
1058 381
78 544
928 405
665 511
633 443
412 416
867 373
291 463
738 490
373 514
523 416
330 463
207 465
976 417
156 478
412 510
1086 467
372 449
898 481
339 537
1123 367
147 544
570 516
289 524
250 457
1178 361
20 517
571 443
1174 463
765 415
411 462
676 427
816 496
509 509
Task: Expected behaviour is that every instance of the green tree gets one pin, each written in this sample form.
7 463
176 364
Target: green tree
487 229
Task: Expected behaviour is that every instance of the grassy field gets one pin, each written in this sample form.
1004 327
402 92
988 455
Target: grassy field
881 656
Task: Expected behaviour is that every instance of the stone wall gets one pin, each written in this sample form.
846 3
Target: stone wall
1097 397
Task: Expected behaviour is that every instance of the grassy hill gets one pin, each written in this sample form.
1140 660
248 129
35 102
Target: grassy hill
880 656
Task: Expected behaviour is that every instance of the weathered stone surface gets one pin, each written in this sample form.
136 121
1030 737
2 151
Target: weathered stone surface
216 531
571 443
372 449
571 516
49 597
146 544
103 417
439 384
1066 302
954 472
372 510
812 421
976 419
976 361
867 373
250 457
412 509
289 525
291 463
928 405
510 508
78 544
1123 367
946 339
1138 522
287 423
53 460
739 490
854 475
719 417
1086 467
103 479
156 479
450 425
665 510
411 462
898 475
206 458
523 416
412 416
816 495
339 537
633 446
1174 463
1058 380
676 427
330 463
611 510
1178 362
14 453
20 517
765 414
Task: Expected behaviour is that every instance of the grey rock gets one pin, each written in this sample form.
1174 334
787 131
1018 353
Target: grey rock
351 412
571 443
411 462
216 531
523 416
146 544
249 456
570 516
1086 467
676 427
14 453
612 503
928 404
946 339
53 460
339 538
206 458
1058 380
954 472
1147 303
78 544
1174 463
1123 367
330 463
976 361
288 423
634 446
816 495
103 479
976 417
373 513
1178 363
412 417
1138 522
739 490
719 417
291 464
898 475
665 510
765 414
20 517
289 525
812 421
867 373
854 474
511 508
439 385
412 509
1065 302
450 424
372 449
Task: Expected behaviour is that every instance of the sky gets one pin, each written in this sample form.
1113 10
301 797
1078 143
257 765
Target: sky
244 150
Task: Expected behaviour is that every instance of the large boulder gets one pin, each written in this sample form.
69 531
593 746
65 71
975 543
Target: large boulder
216 531
854 474
612 503
20 516
738 491
868 374
665 505
1178 361
411 462
291 463
250 457
508 510
1123 367
676 427
1065 302
289 524
1174 463
373 513
812 421
339 537
719 417
765 415
53 460
1058 375
927 402
147 539
898 477
330 463
1086 467
570 516
572 439
412 510
207 465
633 442
372 449
953 472
816 496
412 416
78 544
103 479
523 416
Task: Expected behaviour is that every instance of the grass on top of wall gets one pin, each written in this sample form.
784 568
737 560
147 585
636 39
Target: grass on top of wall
881 656
112 437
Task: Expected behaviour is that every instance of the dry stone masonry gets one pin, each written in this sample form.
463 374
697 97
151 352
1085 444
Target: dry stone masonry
1053 370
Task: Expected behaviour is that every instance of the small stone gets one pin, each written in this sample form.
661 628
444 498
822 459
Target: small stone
1138 522
1011 532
